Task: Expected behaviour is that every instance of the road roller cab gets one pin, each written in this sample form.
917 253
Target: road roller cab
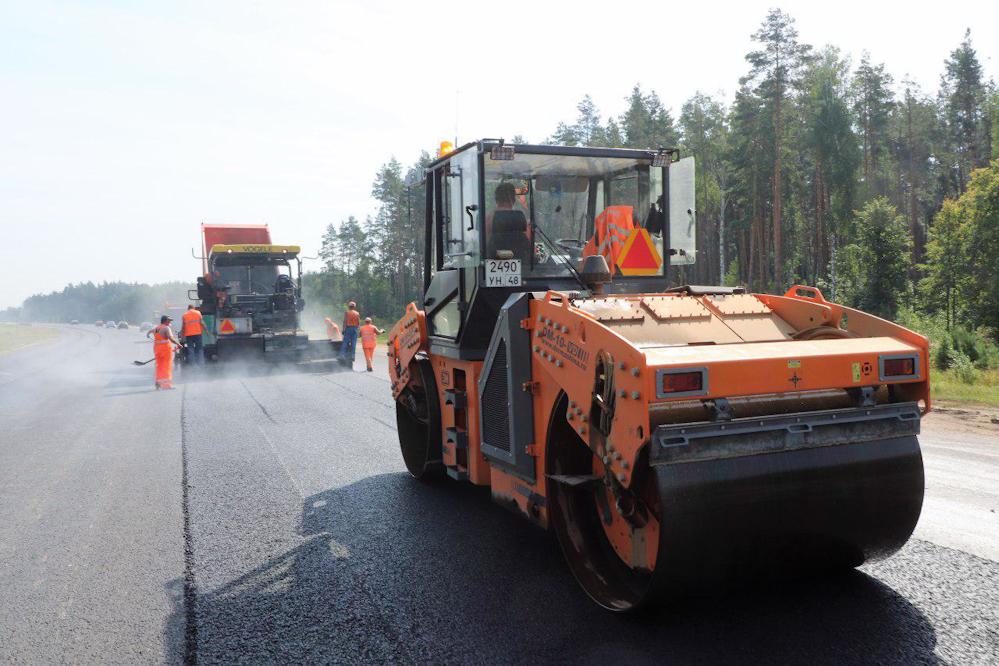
671 436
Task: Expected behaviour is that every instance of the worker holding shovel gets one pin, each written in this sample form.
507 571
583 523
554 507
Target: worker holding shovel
369 340
164 343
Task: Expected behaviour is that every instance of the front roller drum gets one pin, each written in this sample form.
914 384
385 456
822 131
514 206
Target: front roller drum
809 500
418 421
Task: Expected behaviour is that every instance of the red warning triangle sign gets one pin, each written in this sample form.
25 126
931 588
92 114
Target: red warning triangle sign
639 255
227 327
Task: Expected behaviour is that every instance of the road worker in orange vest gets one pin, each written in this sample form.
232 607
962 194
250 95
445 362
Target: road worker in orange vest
610 231
332 330
369 340
351 322
164 343
192 330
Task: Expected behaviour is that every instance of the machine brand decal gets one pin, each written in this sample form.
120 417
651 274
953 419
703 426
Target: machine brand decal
564 347
794 364
410 337
856 373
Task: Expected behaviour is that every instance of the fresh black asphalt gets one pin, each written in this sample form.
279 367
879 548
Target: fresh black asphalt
267 518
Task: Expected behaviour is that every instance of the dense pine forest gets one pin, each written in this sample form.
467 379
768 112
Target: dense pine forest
820 171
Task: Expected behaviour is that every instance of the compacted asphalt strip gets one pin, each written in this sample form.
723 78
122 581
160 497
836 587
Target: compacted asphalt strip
267 517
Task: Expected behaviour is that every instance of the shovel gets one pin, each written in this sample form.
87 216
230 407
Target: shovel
149 361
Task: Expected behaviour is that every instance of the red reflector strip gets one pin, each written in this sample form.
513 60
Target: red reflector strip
681 382
897 367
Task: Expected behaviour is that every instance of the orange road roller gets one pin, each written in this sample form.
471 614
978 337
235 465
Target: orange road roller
674 438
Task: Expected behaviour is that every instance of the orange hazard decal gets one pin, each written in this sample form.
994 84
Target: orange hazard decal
639 256
227 327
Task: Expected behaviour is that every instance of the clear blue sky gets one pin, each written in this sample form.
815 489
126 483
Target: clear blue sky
126 124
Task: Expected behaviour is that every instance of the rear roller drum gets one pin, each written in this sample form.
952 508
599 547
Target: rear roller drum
705 526
787 515
418 420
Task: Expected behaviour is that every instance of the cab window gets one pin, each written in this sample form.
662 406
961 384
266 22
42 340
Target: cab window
549 211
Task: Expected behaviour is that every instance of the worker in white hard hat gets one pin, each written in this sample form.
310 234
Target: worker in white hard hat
369 340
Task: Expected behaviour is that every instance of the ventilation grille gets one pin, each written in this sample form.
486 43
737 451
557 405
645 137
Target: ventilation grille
495 401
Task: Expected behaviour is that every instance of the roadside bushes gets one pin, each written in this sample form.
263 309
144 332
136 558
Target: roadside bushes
965 350
962 352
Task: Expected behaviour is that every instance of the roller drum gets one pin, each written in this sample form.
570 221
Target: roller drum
743 501
786 514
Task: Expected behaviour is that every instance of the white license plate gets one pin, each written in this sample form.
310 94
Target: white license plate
503 272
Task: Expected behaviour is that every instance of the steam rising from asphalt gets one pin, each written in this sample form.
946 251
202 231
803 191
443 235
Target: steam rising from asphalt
84 358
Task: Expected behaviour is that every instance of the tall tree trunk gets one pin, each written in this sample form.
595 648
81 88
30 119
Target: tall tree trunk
778 278
879 187
722 266
865 131
820 200
756 252
704 269
745 257
913 214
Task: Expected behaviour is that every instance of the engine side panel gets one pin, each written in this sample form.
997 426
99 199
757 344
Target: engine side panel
506 417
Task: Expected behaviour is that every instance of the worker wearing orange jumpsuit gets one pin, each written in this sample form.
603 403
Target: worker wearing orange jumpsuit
164 344
369 340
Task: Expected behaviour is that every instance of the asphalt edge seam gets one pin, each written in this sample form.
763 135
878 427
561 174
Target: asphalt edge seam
190 587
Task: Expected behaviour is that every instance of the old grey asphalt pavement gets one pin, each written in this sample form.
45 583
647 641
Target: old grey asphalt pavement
268 518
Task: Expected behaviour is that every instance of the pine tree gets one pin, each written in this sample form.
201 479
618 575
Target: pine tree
588 125
775 70
635 121
662 129
832 148
917 129
883 235
705 136
749 162
612 134
945 263
963 97
873 103
980 214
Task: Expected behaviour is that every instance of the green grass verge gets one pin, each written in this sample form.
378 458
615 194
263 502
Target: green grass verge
944 385
14 336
